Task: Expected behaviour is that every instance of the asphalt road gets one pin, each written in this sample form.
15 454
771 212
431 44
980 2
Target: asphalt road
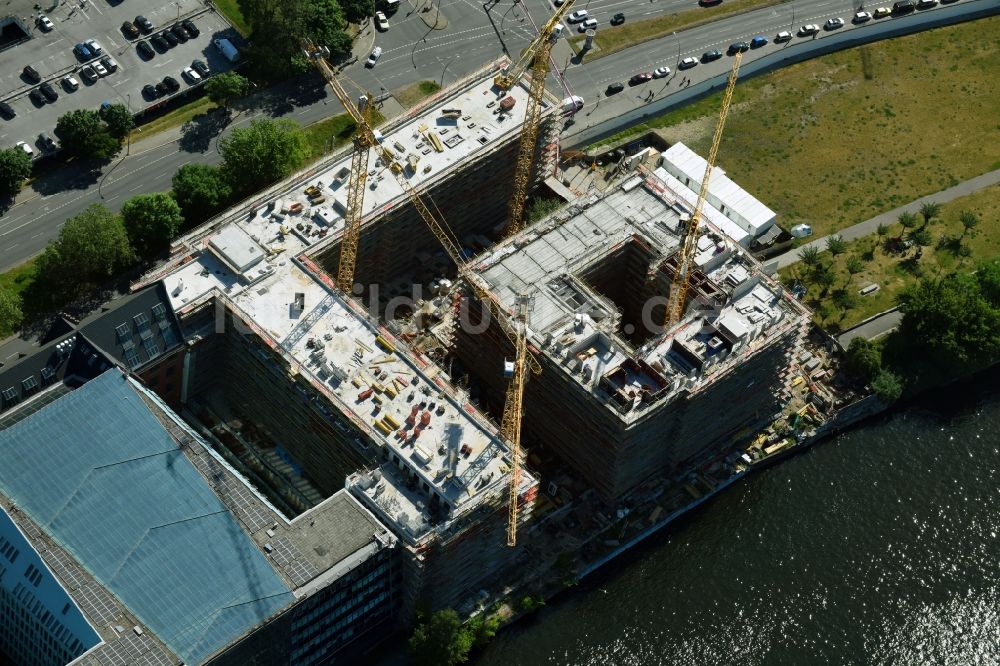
473 37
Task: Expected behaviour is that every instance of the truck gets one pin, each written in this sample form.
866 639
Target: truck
227 49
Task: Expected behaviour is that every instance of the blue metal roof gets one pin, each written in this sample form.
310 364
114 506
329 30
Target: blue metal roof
100 474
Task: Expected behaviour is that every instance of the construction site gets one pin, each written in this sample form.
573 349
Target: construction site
387 327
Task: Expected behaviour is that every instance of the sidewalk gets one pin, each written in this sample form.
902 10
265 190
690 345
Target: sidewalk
869 226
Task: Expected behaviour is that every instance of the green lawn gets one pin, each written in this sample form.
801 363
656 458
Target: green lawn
415 92
610 39
893 272
330 133
231 10
17 280
839 139
175 118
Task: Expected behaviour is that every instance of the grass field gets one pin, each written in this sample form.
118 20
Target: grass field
611 39
231 10
330 133
175 118
838 139
16 281
415 92
893 273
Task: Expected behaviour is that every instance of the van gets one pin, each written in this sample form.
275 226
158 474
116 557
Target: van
572 104
227 49
391 5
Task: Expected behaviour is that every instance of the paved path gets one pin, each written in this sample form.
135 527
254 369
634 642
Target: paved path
869 226
872 328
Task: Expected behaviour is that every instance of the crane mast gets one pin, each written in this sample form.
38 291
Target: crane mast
537 57
510 424
682 278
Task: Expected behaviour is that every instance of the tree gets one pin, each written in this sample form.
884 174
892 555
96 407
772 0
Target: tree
988 277
84 134
118 119
483 628
969 221
863 359
908 220
887 386
882 230
922 237
844 300
809 255
15 166
151 221
266 151
278 27
90 248
854 265
440 640
836 245
929 211
225 87
824 277
949 326
10 312
356 11
201 191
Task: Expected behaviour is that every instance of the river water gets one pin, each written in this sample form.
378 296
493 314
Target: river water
880 546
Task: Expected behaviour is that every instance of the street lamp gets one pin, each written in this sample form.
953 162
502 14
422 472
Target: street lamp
446 68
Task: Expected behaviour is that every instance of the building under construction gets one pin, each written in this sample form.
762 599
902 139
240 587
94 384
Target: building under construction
621 399
303 389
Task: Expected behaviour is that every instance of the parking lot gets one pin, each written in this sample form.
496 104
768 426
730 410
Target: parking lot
52 55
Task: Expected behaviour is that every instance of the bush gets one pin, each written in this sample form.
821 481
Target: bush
265 152
151 221
15 166
440 640
863 359
84 134
201 191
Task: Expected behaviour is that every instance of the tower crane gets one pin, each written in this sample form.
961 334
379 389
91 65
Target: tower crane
510 424
682 278
537 57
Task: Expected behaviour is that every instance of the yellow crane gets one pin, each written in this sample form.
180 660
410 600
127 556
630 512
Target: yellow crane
537 57
510 424
682 278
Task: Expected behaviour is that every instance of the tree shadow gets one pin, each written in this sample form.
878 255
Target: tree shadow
197 133
78 175
284 98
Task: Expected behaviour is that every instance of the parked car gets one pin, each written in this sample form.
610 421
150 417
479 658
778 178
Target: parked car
100 69
687 63
882 12
129 30
738 47
190 27
614 88
758 41
159 42
809 29
191 75
44 22
903 7
171 83
618 19
578 16
82 51
37 97
70 83
640 78
709 3
783 36
381 22
7 111
109 64
589 24
709 56
144 49
49 92
161 89
28 150
861 17
143 24
149 91
202 69
89 74
94 47
926 4
46 141
373 58
178 31
31 74
833 24
170 38
661 72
